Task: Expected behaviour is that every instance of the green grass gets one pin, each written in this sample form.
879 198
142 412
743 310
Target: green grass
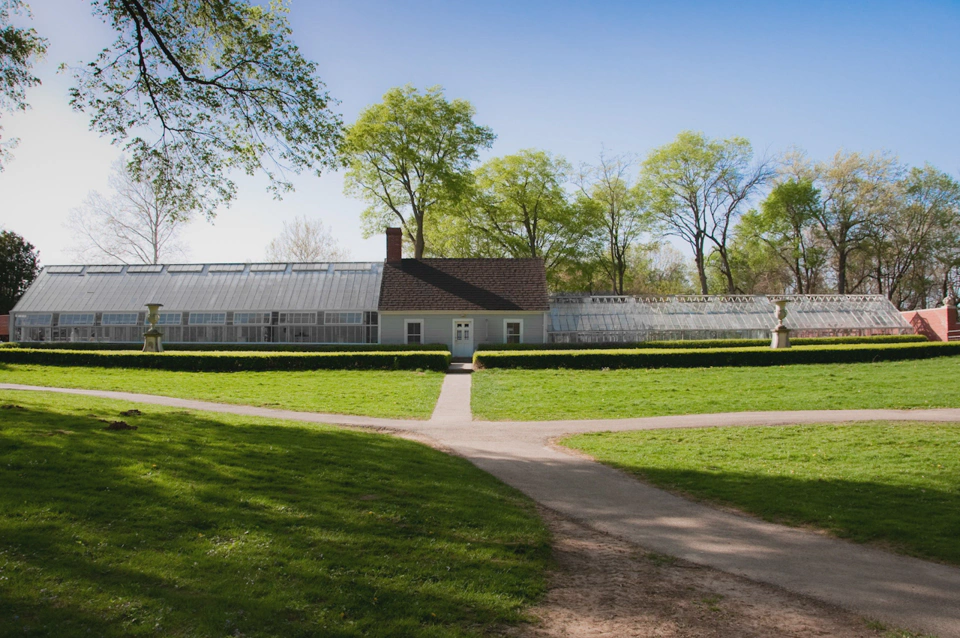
896 484
198 524
589 394
389 394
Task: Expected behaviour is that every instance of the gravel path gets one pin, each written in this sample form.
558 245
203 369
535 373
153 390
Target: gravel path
902 591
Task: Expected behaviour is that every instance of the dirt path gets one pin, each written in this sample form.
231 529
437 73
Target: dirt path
605 587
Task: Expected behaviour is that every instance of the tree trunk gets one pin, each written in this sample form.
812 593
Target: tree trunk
842 272
702 273
418 242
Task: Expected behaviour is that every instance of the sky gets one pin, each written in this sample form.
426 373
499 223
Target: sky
572 78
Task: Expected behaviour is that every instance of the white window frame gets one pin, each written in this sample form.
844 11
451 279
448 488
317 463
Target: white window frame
105 322
406 331
84 322
195 318
328 314
167 315
505 322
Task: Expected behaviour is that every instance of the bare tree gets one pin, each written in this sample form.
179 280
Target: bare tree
135 224
305 240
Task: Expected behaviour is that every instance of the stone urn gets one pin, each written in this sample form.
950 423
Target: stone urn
780 335
153 337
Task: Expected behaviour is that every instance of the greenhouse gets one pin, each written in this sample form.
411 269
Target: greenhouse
204 303
428 301
612 319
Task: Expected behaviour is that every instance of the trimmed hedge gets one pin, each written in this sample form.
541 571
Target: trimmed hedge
712 357
234 347
701 343
231 361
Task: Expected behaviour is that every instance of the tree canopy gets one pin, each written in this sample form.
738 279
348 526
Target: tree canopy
410 156
697 186
20 48
19 265
194 89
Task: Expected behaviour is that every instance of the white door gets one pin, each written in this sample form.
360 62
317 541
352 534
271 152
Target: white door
463 338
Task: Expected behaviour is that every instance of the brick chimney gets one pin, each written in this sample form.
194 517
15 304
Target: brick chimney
394 245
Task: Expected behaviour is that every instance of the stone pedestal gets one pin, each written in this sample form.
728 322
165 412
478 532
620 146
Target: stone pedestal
780 337
152 341
152 338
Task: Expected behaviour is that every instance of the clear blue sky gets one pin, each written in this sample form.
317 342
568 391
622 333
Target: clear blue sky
566 77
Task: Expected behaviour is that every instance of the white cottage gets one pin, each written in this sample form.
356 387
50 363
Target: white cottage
461 302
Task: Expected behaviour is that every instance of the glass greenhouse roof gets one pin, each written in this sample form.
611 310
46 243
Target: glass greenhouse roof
750 316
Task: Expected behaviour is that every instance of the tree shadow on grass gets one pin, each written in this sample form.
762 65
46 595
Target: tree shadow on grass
213 525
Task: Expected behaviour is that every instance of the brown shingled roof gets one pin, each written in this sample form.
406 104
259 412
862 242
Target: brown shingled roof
464 284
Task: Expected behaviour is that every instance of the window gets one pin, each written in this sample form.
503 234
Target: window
34 320
170 319
76 319
209 318
342 318
119 319
414 331
298 318
513 330
247 318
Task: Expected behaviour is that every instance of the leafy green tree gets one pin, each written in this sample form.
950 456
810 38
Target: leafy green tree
518 208
409 157
786 224
20 48
923 226
197 88
19 265
697 186
617 210
855 190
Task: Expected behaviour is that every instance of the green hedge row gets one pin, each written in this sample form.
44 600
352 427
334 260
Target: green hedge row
701 343
235 347
712 357
231 361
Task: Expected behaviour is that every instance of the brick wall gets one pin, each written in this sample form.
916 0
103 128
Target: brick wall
937 324
4 327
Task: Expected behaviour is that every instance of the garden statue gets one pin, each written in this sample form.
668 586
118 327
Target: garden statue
152 337
780 333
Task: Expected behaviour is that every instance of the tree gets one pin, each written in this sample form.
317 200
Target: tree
197 88
137 223
409 156
20 49
786 224
922 225
618 211
697 186
518 208
855 190
19 265
657 269
305 240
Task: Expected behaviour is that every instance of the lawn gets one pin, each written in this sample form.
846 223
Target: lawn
895 484
389 394
199 524
537 395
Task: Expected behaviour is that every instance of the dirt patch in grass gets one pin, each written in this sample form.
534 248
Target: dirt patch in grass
115 426
603 586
